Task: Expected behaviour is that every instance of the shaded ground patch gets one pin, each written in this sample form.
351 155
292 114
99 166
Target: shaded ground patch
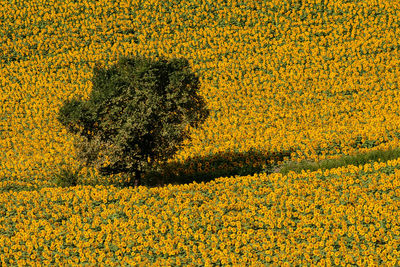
223 164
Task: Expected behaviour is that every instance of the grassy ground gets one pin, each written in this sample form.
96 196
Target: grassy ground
359 159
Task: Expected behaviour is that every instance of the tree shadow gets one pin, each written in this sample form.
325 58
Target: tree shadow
207 168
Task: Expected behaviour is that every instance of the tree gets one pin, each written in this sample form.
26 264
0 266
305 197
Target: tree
138 113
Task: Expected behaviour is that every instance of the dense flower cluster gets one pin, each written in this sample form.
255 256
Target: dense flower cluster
317 78
342 216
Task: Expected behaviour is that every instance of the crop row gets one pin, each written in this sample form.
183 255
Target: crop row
348 215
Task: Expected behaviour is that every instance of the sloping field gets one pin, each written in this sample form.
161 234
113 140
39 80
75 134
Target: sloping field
343 216
283 80
307 78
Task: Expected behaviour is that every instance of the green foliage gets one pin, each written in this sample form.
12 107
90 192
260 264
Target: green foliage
67 177
359 159
138 113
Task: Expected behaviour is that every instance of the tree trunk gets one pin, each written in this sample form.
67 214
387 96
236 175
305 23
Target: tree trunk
137 181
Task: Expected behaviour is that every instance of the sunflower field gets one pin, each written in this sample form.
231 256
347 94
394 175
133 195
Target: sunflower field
283 79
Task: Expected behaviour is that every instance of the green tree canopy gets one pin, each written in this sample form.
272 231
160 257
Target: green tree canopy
138 112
